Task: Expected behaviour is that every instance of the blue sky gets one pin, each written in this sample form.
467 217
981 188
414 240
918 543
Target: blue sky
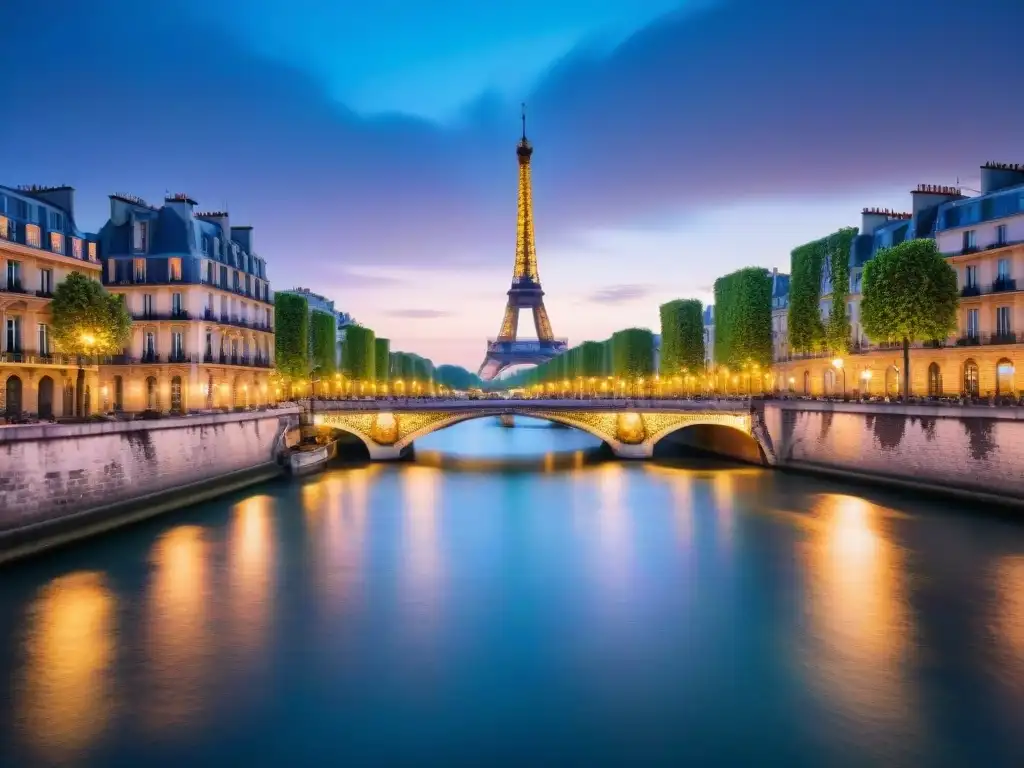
372 145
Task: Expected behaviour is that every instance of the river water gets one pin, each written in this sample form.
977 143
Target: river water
513 597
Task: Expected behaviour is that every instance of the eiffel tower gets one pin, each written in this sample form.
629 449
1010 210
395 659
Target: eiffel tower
506 350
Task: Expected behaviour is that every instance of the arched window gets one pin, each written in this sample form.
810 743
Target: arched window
69 398
830 382
152 401
971 378
807 382
1004 378
46 398
934 380
892 381
12 405
118 393
176 394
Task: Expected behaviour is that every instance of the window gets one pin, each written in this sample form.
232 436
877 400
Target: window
1001 234
57 242
33 236
92 251
972 323
76 247
234 280
147 304
174 269
140 270
971 378
206 244
1004 269
56 221
1004 377
970 239
1003 321
176 394
46 281
44 339
209 272
152 402
141 235
6 231
13 334
934 380
268 319
216 247
971 274
209 303
209 343
150 348
248 286
118 393
223 307
14 275
177 348
176 303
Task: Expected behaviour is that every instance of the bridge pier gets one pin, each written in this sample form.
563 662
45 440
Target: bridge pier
622 451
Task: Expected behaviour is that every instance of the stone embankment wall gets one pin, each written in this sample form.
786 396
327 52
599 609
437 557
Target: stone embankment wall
976 449
61 478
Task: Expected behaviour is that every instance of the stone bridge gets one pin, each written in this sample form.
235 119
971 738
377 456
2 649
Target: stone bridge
630 428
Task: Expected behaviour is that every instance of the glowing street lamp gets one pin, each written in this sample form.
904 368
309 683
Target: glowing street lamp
838 365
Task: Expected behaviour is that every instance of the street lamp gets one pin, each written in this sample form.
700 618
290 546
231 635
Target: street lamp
838 365
866 376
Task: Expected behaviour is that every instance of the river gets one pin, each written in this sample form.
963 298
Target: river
514 597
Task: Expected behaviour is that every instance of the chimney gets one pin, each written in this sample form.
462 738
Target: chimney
181 204
930 195
122 205
220 218
63 197
997 176
243 236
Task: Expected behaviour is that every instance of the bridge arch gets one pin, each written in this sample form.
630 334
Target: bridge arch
720 439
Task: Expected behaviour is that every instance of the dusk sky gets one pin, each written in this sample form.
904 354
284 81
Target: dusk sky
372 145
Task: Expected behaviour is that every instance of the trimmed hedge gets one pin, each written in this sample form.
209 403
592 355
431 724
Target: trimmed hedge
807 332
323 341
743 318
291 336
382 364
682 336
632 353
360 353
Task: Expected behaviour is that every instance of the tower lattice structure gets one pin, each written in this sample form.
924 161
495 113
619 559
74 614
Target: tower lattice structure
526 291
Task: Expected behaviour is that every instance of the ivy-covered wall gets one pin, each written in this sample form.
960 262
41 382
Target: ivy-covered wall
807 332
592 359
323 342
632 353
682 336
291 336
743 318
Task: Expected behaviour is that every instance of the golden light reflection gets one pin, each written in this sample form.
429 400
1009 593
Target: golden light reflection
177 636
65 700
421 488
857 604
723 491
613 520
1008 624
250 572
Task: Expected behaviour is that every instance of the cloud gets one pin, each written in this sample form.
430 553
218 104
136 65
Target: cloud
418 314
620 294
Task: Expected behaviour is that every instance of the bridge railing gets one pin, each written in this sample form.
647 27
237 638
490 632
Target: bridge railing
519 404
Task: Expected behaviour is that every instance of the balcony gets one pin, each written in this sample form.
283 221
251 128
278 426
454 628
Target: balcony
969 340
45 294
968 250
15 286
253 361
970 290
1003 337
180 314
31 357
1003 284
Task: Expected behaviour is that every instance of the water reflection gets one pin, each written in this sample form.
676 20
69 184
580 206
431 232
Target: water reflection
177 635
70 644
250 563
614 543
1008 624
421 557
857 602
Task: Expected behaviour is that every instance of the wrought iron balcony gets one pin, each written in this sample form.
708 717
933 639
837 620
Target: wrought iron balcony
969 340
181 314
15 286
1003 337
970 290
1002 284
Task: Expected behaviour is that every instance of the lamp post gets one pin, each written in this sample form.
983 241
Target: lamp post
88 341
866 376
838 365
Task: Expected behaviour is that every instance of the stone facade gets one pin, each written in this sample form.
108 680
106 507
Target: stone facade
974 448
49 473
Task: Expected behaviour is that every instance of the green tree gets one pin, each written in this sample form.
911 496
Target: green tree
909 294
360 354
323 342
291 338
457 377
382 366
682 336
809 262
743 318
88 321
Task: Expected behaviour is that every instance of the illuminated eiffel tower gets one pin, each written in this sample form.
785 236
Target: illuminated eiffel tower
506 350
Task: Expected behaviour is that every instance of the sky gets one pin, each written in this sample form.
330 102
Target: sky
372 145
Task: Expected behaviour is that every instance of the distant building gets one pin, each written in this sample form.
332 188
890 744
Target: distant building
202 307
780 315
40 245
709 336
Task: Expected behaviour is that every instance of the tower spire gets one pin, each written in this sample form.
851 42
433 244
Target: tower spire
524 120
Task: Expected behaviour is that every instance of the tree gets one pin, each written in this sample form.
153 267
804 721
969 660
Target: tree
382 365
291 337
682 336
88 321
632 353
831 254
743 318
456 377
323 341
360 355
909 294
